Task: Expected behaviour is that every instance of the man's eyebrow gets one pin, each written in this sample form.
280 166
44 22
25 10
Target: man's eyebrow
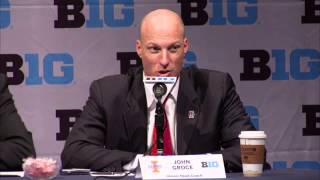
152 44
175 44
170 45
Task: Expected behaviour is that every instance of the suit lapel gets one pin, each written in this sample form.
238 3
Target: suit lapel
135 115
187 111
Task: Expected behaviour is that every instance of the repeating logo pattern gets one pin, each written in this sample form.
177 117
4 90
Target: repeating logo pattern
230 35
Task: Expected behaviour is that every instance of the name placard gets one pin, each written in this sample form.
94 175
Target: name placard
182 167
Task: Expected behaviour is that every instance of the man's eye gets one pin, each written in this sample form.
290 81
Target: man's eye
174 48
153 49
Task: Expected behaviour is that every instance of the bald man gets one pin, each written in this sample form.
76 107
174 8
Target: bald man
204 112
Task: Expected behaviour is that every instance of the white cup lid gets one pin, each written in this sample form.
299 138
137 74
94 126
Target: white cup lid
252 134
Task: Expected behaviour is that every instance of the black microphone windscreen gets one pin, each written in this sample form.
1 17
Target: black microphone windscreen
159 89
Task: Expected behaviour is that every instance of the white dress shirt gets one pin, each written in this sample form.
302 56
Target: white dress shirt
170 109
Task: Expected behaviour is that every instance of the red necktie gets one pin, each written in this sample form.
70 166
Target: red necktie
167 145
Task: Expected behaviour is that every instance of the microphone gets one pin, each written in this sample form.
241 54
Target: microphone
159 89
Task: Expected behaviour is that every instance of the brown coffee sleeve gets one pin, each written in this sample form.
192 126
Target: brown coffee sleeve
252 154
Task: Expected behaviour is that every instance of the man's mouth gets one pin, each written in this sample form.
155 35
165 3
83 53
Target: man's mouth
164 72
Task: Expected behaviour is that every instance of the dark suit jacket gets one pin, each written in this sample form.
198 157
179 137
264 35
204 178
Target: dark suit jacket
15 141
112 128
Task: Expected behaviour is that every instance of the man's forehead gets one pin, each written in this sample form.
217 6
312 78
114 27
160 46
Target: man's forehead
159 37
161 14
161 21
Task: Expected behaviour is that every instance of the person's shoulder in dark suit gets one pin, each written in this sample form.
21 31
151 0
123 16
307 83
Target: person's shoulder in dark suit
87 145
220 85
15 140
204 79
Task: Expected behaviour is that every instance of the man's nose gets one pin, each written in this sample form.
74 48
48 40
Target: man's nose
164 61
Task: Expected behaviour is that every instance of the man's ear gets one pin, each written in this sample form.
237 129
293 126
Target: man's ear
139 48
185 45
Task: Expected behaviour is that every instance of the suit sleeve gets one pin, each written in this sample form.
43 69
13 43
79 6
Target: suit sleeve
86 144
15 141
234 120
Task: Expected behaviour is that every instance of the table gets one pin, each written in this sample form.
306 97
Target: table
280 174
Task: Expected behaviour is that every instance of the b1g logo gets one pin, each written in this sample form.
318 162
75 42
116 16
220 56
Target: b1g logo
239 12
304 64
57 68
4 14
70 13
210 164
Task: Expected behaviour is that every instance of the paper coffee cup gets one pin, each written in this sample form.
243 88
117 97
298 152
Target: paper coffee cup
252 145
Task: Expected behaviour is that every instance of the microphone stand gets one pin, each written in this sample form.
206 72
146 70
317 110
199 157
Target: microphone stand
159 122
159 89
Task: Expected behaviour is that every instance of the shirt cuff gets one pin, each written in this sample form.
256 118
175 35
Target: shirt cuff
132 165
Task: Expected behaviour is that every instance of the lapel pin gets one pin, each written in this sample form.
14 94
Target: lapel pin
191 114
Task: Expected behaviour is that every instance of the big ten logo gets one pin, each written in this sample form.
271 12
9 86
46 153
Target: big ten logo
312 12
111 13
210 164
57 68
312 120
67 118
131 59
296 165
4 14
253 114
234 12
304 64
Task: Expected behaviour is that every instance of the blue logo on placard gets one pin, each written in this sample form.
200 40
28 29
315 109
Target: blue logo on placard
210 164
4 14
